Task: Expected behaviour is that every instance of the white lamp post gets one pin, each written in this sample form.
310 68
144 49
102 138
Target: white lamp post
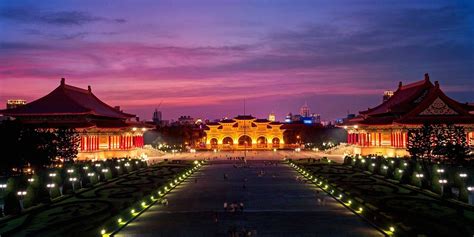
471 194
21 194
73 180
50 186
442 182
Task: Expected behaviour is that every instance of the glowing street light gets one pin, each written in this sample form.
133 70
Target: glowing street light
463 175
419 176
73 180
50 187
440 170
52 174
21 194
69 171
31 180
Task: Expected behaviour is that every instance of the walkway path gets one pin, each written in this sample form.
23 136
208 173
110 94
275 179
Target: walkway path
276 204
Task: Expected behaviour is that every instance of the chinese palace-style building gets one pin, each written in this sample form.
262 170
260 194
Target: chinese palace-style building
382 130
104 131
244 132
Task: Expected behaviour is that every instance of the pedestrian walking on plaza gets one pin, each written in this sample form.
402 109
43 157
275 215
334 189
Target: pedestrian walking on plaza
241 207
225 206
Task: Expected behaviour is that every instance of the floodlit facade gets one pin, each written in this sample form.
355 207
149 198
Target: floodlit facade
104 131
383 130
244 132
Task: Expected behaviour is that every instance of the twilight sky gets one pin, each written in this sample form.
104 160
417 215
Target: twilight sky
202 58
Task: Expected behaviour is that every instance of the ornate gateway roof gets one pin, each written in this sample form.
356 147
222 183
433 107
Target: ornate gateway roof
417 103
67 105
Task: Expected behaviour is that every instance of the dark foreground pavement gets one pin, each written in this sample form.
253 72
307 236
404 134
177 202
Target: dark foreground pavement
275 204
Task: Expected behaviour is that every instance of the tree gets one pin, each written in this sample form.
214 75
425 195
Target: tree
38 147
67 143
10 147
457 148
415 144
12 204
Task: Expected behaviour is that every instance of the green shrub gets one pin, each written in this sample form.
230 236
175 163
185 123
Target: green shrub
347 160
55 192
383 170
397 174
31 198
372 166
15 184
11 204
324 160
108 175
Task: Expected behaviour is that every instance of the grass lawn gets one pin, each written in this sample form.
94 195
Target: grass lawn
416 212
84 213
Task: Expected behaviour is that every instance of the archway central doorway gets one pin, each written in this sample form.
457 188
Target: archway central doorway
245 141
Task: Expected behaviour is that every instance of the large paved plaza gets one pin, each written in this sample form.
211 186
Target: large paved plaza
275 204
250 155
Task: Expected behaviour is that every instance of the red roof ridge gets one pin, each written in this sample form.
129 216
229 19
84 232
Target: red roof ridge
68 100
392 101
430 98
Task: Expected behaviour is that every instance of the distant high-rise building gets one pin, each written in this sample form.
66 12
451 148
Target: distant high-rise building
316 118
304 110
157 117
11 104
185 120
271 117
387 95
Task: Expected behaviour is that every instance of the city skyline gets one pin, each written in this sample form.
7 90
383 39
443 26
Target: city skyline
202 59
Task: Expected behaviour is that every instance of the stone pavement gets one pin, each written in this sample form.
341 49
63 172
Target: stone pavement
275 204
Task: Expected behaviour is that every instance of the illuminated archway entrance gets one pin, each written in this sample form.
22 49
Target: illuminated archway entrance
261 142
227 141
245 141
275 142
213 142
